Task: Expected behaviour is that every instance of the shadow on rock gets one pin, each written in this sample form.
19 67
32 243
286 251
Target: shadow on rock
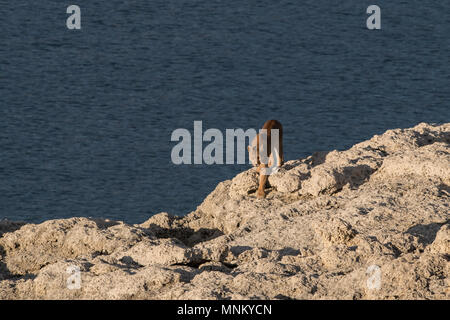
6 274
356 175
188 236
426 233
10 226
5 227
318 158
426 138
444 190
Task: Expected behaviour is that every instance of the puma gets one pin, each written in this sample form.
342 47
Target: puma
269 155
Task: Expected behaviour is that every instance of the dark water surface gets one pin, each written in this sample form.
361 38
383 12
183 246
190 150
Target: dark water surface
86 116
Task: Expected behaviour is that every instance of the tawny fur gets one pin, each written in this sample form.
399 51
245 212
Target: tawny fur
262 164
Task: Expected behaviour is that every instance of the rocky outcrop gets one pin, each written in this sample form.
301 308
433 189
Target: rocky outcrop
371 222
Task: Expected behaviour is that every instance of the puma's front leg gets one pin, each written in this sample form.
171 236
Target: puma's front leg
279 160
262 182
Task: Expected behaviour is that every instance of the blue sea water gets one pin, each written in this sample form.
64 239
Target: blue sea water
86 115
